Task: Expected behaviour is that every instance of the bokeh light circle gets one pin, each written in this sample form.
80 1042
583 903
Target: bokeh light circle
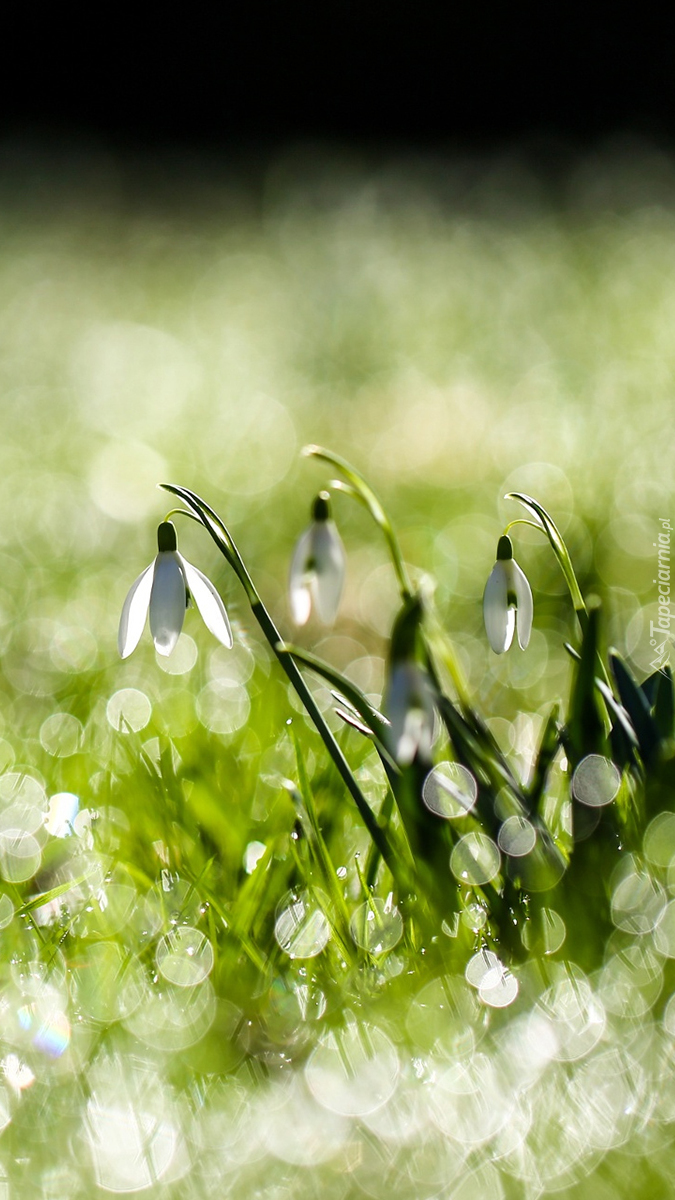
450 790
475 859
223 706
128 708
301 928
596 781
184 956
61 734
517 836
376 926
353 1071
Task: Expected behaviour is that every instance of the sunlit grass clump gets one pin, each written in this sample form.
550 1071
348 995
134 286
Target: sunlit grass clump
354 874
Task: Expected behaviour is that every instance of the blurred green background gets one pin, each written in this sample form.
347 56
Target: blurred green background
457 328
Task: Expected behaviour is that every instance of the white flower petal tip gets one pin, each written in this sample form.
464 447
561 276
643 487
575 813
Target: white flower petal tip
301 602
507 601
317 568
409 708
162 591
209 604
168 601
134 612
524 606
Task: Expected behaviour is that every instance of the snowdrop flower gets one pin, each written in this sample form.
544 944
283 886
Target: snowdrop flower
164 590
409 695
409 708
507 601
317 567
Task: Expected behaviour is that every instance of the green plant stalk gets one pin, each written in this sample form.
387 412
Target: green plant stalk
439 646
360 490
557 543
223 540
372 719
374 856
549 527
340 917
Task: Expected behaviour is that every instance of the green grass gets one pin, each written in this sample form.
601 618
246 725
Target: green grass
201 991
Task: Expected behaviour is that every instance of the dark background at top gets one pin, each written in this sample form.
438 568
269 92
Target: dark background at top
407 73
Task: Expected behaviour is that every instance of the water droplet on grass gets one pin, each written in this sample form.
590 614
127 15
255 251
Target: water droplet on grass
63 808
184 956
376 926
301 928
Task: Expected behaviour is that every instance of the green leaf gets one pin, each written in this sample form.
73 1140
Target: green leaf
338 917
637 706
624 738
549 743
664 705
52 894
488 772
650 687
371 717
585 726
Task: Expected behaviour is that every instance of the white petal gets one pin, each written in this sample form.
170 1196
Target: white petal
167 601
329 558
410 711
524 605
300 577
498 617
209 603
301 603
134 612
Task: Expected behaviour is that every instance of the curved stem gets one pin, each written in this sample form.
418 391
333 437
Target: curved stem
182 512
357 487
225 543
523 521
547 525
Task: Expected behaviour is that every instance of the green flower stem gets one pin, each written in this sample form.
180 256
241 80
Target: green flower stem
547 525
182 512
373 860
357 487
368 817
221 536
304 801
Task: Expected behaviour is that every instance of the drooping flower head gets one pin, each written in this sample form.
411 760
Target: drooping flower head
408 702
318 567
163 590
507 601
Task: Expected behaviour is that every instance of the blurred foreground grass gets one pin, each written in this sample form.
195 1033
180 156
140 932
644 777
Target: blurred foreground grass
457 330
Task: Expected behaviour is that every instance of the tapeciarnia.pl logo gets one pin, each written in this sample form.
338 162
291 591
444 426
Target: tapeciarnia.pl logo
660 634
